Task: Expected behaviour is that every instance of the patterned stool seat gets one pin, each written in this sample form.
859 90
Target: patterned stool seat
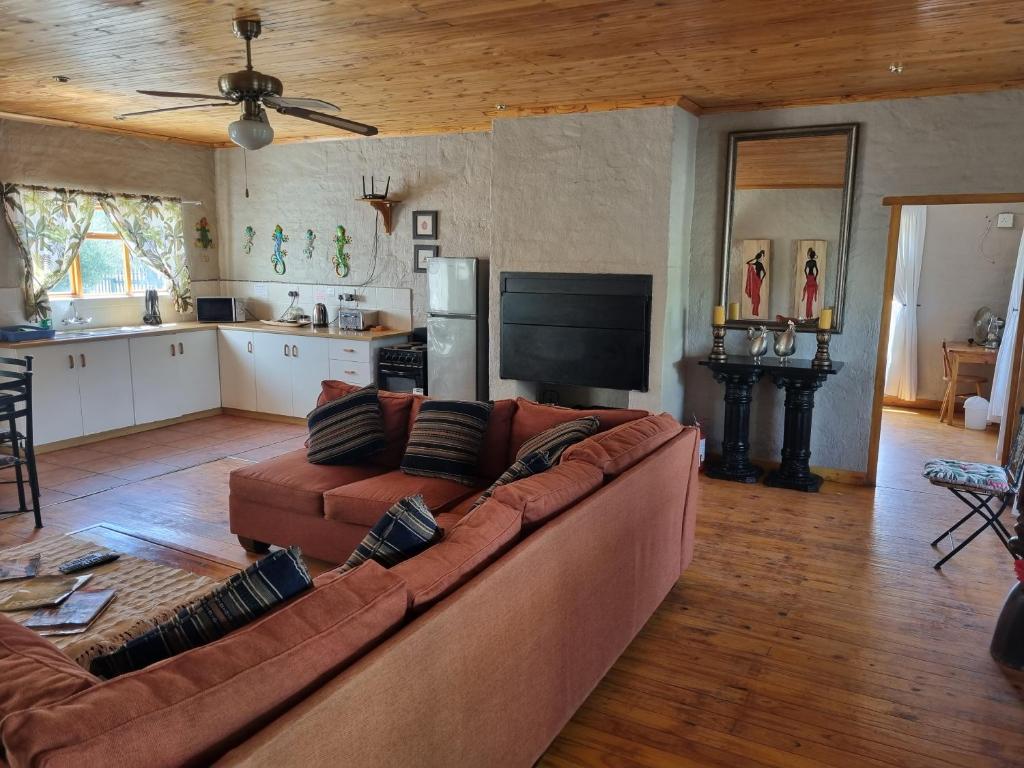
971 475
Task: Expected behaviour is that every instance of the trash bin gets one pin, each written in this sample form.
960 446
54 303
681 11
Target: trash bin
976 412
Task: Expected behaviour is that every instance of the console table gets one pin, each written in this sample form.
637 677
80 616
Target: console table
800 380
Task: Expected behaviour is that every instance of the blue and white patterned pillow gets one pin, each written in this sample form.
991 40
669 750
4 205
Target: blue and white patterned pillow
405 530
555 440
530 464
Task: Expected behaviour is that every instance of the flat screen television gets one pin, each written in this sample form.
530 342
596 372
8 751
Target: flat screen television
587 330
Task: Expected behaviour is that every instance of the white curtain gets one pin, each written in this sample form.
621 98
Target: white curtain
1004 359
901 367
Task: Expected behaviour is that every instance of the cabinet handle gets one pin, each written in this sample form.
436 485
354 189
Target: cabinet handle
181 348
82 357
346 349
250 347
286 352
173 352
71 361
351 373
295 351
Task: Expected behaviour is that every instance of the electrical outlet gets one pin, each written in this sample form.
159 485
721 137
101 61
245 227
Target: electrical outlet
1004 220
293 294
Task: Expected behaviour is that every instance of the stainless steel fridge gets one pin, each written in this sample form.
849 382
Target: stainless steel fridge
457 329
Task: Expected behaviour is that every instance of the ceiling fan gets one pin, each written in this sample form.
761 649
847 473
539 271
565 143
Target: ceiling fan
256 91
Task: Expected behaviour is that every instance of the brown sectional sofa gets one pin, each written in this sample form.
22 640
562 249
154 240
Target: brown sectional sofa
475 652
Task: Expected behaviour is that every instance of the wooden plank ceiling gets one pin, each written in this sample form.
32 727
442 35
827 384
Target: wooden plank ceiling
423 66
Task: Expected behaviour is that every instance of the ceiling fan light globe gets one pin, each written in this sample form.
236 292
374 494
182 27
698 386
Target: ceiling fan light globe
251 134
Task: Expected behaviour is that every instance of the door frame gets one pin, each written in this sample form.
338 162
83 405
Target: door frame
895 205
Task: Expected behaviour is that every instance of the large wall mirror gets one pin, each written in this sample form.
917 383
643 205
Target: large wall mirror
787 225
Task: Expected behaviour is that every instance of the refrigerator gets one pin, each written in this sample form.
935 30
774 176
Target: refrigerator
457 329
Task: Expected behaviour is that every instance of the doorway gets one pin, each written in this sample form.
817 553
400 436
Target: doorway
950 265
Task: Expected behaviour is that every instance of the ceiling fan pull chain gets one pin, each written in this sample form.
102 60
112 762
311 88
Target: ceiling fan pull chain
245 171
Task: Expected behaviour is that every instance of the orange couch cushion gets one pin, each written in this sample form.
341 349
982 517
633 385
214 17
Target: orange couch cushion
542 496
33 673
291 482
618 449
475 541
190 709
366 501
394 409
533 418
494 458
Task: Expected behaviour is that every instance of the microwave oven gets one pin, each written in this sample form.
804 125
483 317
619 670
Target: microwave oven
220 309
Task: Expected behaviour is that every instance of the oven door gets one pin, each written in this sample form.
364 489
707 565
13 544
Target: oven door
397 378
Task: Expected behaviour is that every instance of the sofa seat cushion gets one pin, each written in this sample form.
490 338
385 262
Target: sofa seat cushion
292 483
542 496
395 408
366 501
618 449
33 673
474 542
347 429
533 418
190 709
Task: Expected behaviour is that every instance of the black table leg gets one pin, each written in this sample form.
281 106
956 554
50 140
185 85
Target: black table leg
795 472
735 463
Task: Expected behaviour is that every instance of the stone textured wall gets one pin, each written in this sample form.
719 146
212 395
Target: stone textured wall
948 144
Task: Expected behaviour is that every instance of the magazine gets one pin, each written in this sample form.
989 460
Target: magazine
73 615
20 569
39 592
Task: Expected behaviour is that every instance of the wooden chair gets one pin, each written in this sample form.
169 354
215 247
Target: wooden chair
15 404
951 398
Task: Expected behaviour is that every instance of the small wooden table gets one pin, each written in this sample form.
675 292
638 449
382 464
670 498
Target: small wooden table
962 352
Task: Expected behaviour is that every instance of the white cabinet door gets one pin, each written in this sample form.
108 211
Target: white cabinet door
237 372
273 372
198 376
56 405
310 366
155 378
105 385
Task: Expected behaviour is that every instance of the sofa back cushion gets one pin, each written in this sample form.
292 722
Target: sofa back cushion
394 408
494 458
619 448
190 709
542 496
33 673
476 540
533 418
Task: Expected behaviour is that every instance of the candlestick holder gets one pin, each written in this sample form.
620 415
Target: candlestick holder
718 345
821 357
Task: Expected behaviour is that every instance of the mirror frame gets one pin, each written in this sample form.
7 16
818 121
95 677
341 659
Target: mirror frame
851 131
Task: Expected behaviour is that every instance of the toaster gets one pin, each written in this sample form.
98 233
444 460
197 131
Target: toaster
358 319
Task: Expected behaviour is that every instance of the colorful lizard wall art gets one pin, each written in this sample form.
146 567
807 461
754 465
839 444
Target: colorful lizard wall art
247 237
341 259
277 258
310 240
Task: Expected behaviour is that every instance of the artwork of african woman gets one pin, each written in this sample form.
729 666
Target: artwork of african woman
756 258
203 239
809 278
247 237
310 240
341 262
277 258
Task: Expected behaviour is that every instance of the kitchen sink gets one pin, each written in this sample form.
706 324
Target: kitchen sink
112 330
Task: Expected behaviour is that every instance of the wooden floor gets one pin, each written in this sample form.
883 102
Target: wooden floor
811 630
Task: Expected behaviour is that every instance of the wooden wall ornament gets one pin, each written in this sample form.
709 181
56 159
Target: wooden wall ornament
341 261
809 278
279 253
756 257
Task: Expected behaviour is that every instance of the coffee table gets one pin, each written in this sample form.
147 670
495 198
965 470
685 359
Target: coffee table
152 578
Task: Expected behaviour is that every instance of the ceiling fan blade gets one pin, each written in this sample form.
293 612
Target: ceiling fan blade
171 109
276 101
334 122
176 95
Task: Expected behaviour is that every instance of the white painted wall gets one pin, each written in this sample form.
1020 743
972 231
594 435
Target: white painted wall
968 263
947 144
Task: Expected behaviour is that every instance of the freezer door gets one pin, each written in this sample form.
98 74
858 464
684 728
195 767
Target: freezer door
451 286
451 358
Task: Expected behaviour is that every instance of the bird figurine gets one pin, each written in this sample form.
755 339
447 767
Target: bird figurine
758 342
785 342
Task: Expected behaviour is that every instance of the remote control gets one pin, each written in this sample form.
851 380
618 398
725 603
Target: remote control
87 561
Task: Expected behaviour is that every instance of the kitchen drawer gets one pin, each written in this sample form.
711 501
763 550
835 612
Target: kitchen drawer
352 372
358 351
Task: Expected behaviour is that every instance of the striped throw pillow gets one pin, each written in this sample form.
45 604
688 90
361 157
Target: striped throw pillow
559 437
530 464
346 430
238 601
445 440
405 530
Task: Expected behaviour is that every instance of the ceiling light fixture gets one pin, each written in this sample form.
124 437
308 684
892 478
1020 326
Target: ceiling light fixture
896 67
251 131
501 107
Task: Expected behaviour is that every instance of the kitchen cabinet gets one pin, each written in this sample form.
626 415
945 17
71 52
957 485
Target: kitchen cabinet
288 372
174 374
355 361
237 369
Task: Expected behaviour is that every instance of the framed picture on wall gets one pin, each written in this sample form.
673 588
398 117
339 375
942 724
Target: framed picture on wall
809 278
420 254
424 225
756 256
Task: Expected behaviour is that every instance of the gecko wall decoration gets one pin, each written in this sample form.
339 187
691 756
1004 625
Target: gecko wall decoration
203 239
247 237
341 259
277 258
310 244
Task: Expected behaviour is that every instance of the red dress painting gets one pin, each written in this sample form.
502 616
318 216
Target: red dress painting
810 289
755 278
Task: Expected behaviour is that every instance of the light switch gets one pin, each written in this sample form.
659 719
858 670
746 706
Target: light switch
1004 220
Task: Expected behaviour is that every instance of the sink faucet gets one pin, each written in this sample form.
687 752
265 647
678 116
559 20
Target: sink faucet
71 317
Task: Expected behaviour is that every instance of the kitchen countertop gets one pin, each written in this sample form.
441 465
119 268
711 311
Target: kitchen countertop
132 331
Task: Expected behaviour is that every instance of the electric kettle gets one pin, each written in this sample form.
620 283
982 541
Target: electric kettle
320 318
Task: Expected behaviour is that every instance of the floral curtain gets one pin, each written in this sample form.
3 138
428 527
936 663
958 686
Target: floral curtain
153 229
49 226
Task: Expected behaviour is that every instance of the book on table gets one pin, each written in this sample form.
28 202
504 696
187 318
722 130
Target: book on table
25 568
39 592
72 616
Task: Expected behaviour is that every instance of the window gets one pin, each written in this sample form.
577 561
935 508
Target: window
105 266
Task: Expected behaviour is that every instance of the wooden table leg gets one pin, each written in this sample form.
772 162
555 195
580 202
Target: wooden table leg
954 388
